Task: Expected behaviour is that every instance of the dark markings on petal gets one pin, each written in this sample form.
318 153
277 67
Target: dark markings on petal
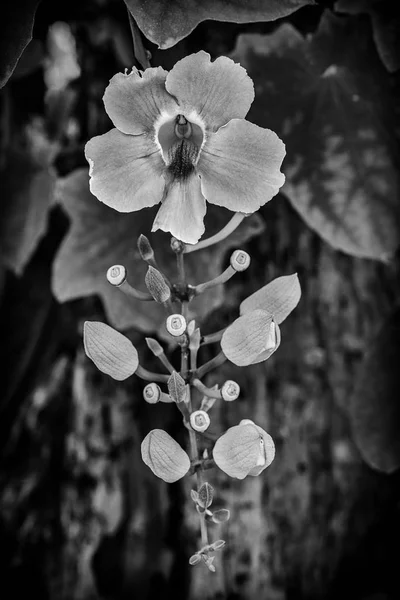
182 158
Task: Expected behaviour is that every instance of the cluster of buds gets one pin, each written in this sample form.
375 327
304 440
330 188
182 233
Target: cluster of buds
245 449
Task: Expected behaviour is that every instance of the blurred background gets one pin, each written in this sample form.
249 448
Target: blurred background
81 517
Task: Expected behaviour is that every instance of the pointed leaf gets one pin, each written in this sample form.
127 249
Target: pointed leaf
245 449
375 404
206 495
111 352
250 339
166 22
279 298
177 387
339 122
217 545
165 457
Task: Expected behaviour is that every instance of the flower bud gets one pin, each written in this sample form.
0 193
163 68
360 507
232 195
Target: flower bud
157 285
240 260
230 390
176 325
116 275
152 393
177 245
245 449
145 249
199 420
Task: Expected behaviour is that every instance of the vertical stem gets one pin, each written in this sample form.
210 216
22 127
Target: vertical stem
194 451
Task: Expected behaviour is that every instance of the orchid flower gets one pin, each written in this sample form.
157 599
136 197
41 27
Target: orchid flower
180 138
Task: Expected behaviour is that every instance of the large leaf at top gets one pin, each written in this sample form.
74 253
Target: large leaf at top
327 97
100 237
375 404
166 22
385 19
27 182
16 24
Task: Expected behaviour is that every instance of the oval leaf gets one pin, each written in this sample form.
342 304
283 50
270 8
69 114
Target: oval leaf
111 352
251 338
165 457
279 298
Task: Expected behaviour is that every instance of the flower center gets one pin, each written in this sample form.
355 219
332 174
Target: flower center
180 142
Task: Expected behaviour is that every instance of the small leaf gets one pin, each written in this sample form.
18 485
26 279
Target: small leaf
221 516
251 339
206 494
279 298
177 387
164 456
111 352
217 545
245 449
195 559
209 562
157 286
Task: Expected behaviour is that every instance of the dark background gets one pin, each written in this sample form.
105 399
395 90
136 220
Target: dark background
81 517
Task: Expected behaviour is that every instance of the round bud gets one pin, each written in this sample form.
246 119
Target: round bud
199 420
176 325
116 275
152 393
230 390
177 245
240 260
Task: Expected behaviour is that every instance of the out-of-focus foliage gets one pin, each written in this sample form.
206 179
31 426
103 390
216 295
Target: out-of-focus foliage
166 22
385 25
337 118
16 24
375 405
27 182
100 237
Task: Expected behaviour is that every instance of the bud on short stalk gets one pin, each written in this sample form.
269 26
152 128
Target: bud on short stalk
152 393
240 260
199 420
230 390
116 275
176 325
